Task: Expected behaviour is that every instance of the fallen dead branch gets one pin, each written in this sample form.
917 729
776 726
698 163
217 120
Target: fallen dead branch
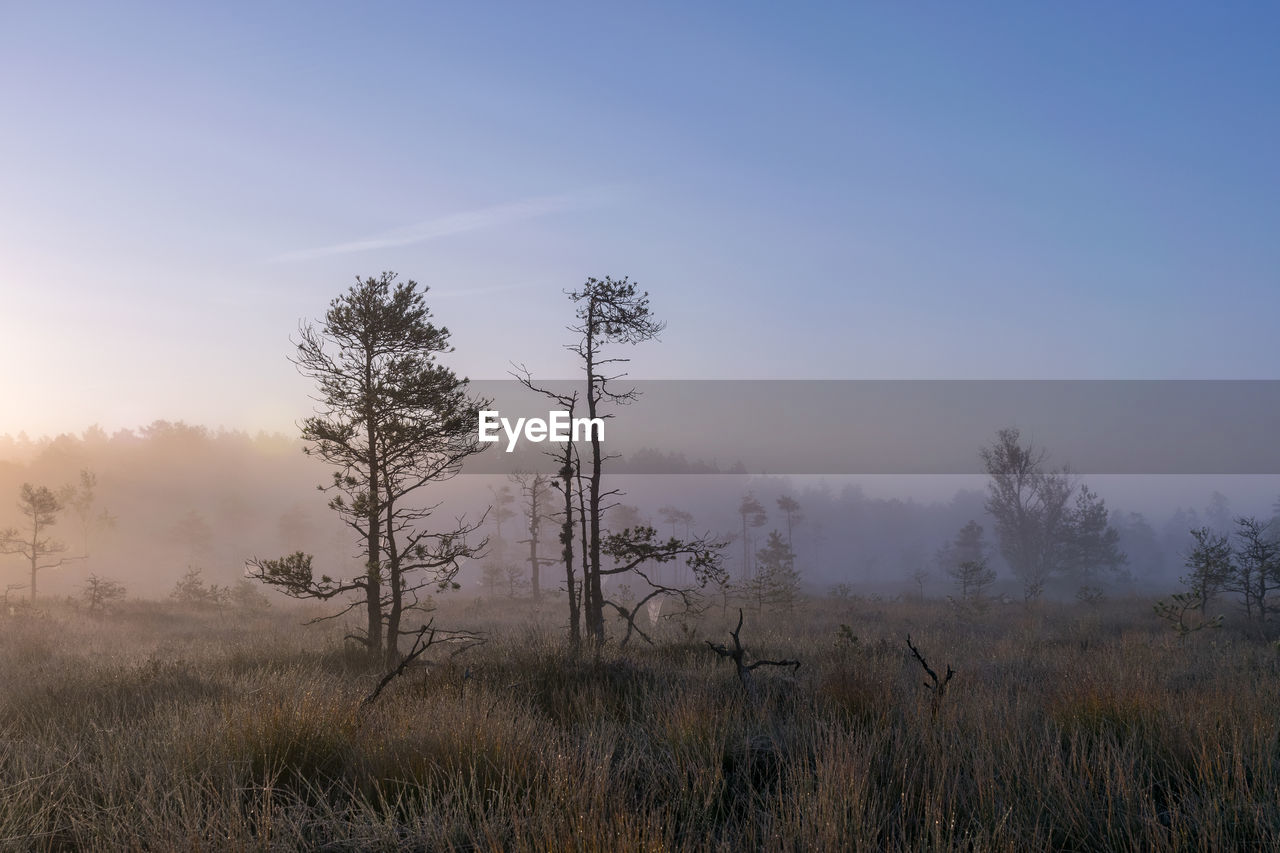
738 655
424 638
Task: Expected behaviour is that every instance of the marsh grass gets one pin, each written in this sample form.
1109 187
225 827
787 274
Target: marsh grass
1065 728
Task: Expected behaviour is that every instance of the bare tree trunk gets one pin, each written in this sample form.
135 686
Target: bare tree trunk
586 554
35 553
566 542
396 610
533 538
595 598
373 578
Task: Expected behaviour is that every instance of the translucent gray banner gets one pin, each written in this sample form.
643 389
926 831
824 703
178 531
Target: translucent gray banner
806 427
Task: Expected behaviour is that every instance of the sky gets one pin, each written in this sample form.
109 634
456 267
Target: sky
878 190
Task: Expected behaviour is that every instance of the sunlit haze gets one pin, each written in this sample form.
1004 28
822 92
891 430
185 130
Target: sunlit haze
887 191
682 426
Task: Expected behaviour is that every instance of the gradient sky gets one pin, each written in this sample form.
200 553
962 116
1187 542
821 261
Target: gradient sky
893 190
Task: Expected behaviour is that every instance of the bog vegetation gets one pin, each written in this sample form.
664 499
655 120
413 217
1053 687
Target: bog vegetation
1022 671
167 726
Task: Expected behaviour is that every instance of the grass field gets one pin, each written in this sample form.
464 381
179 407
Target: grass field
1066 728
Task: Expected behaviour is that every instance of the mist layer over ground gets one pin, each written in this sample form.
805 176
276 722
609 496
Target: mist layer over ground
179 496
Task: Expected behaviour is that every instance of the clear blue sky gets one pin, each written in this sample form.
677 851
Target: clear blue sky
1085 190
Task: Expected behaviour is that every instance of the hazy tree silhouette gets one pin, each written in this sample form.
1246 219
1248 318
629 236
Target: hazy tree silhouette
41 506
1042 535
1093 545
1218 512
673 516
965 560
791 512
608 312
498 568
500 508
100 593
391 420
612 312
753 515
621 516
80 499
1257 567
776 583
970 544
192 590
194 534
1211 565
536 490
568 481
295 525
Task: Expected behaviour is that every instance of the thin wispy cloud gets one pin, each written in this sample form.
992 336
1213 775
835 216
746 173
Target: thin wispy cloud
458 223
479 291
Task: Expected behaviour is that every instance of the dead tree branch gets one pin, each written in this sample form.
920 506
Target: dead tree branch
738 655
939 687
424 638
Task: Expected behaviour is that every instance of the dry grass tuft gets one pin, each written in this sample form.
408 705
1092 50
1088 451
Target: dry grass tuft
1070 730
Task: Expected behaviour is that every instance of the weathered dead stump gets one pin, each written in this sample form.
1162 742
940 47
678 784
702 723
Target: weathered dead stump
938 687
